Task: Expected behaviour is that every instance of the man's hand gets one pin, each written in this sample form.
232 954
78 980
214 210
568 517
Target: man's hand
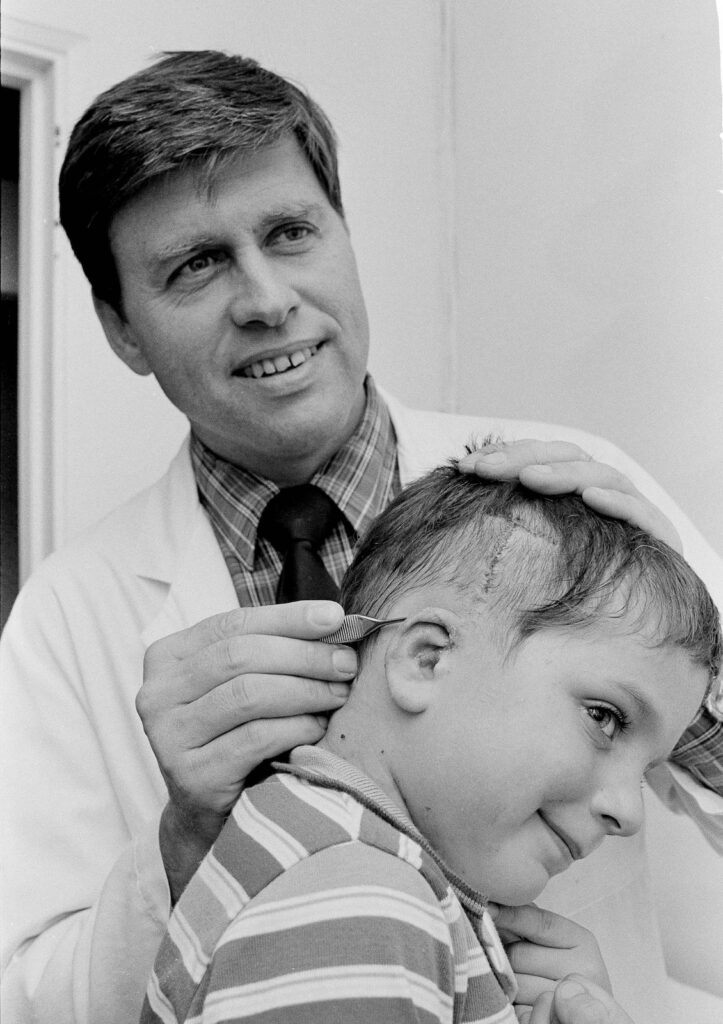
559 467
575 1001
543 948
223 696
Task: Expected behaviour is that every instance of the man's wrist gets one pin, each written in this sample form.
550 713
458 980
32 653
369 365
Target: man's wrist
184 841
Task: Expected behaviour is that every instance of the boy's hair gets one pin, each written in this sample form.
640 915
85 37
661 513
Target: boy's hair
536 562
192 109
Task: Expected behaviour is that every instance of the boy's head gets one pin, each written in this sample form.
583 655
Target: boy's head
547 658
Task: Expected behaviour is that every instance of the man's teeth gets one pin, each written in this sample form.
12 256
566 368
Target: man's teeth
268 367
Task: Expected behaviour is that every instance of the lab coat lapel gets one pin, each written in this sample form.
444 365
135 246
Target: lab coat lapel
184 556
200 587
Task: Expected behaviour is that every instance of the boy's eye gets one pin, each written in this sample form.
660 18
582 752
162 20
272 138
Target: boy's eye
609 720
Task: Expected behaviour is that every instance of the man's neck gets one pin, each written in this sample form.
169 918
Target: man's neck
279 463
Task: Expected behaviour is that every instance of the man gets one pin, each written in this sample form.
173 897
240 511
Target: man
201 197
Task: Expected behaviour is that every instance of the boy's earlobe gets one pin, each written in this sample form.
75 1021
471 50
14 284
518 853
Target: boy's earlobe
121 337
415 660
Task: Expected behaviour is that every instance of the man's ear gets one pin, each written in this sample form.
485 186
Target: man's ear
417 659
121 337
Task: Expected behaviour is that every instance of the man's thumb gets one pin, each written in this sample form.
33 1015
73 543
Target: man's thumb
574 1004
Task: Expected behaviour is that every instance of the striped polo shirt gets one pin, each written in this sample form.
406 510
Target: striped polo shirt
320 902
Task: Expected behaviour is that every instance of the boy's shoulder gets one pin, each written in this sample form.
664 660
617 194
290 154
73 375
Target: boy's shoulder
310 897
289 820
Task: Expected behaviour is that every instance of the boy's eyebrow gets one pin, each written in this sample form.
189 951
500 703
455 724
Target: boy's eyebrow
645 708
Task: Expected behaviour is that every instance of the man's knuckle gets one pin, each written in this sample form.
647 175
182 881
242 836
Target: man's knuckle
317 661
547 921
142 704
243 694
232 656
228 624
254 738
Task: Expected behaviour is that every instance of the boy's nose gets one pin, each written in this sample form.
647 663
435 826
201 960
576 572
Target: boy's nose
263 297
619 804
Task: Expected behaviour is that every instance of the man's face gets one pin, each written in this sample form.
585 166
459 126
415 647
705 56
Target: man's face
539 756
246 305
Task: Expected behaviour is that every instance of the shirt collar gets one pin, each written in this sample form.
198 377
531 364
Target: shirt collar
360 477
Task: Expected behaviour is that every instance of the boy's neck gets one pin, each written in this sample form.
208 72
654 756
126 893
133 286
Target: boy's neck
351 737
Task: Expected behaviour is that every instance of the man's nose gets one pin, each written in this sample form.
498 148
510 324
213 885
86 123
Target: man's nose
618 803
263 296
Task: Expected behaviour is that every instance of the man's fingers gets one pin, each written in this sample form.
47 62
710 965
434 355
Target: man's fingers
530 988
304 620
504 461
225 762
259 696
236 656
574 477
272 655
558 467
577 1000
236 754
538 925
636 510
541 1012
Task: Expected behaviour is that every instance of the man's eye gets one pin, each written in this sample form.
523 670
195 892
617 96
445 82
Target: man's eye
292 234
610 720
199 263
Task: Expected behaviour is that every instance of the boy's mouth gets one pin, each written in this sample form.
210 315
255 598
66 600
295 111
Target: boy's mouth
573 847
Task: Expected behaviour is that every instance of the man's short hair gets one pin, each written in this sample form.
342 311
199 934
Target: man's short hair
535 562
192 109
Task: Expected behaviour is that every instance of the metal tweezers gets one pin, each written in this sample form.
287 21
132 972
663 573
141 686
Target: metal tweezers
355 627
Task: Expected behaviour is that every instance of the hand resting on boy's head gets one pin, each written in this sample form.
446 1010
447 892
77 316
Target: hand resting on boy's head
560 467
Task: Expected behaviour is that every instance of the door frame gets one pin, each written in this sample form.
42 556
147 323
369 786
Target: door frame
34 62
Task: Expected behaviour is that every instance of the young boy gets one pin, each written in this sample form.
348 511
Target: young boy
546 658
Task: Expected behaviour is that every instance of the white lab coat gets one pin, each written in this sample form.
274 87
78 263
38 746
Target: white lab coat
86 900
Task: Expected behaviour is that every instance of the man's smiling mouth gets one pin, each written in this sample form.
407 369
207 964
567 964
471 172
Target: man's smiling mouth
278 364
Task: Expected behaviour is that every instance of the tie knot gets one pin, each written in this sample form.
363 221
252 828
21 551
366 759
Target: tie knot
303 513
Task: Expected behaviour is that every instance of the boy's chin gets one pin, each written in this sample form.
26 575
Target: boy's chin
517 894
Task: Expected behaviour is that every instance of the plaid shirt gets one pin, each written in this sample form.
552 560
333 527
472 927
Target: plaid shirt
700 751
362 478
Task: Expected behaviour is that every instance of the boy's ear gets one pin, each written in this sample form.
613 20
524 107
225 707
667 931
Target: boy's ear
121 337
417 659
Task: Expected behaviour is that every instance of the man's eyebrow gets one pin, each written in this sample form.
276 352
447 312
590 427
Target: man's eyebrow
181 247
291 211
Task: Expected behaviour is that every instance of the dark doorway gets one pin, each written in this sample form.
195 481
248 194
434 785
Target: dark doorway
10 166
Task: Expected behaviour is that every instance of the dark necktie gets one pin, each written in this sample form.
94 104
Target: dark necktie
297 521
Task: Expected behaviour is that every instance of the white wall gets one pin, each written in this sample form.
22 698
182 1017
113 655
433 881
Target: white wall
588 227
